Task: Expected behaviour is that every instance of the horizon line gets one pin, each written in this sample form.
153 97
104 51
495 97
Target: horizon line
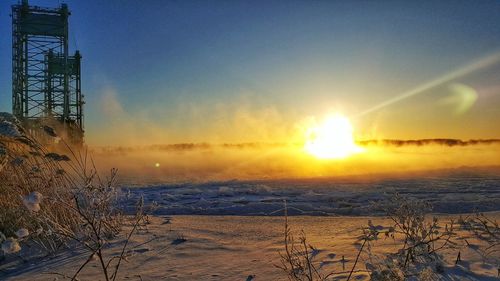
188 146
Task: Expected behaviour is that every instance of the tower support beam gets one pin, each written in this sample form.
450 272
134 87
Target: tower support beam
46 80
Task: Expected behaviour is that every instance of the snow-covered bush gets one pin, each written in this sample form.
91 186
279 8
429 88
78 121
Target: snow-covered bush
419 241
10 246
297 260
485 229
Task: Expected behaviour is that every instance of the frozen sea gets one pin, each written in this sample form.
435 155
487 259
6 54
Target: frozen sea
450 192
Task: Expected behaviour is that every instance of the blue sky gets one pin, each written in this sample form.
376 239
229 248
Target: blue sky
183 66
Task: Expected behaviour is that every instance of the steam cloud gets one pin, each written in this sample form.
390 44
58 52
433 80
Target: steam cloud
261 145
424 142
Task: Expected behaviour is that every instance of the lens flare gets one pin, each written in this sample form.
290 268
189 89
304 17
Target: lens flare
468 69
461 97
332 140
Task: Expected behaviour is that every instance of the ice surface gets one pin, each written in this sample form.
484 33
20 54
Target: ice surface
452 194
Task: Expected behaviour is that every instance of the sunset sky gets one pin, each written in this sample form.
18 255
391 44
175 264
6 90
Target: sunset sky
244 71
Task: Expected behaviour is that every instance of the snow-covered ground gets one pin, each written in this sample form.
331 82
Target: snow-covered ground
234 229
236 248
451 193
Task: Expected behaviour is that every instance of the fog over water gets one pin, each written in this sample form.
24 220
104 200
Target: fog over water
181 163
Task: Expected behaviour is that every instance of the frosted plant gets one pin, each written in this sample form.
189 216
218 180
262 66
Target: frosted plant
32 207
32 201
34 197
23 169
18 161
78 206
5 116
297 259
22 232
9 130
50 131
57 157
486 229
419 241
11 246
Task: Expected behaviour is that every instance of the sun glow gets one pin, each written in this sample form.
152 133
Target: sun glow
332 140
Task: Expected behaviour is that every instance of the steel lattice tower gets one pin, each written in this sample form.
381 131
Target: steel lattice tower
46 80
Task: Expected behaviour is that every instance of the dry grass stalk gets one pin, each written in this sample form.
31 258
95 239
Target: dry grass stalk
61 200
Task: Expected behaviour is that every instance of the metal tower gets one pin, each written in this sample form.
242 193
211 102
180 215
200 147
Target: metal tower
46 81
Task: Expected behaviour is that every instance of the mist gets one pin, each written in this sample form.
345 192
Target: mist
190 162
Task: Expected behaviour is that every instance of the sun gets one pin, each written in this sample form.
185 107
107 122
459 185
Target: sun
333 139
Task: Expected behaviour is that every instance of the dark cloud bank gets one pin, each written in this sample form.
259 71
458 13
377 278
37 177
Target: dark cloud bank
424 142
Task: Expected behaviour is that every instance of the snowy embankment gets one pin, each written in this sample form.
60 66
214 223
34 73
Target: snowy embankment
451 194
